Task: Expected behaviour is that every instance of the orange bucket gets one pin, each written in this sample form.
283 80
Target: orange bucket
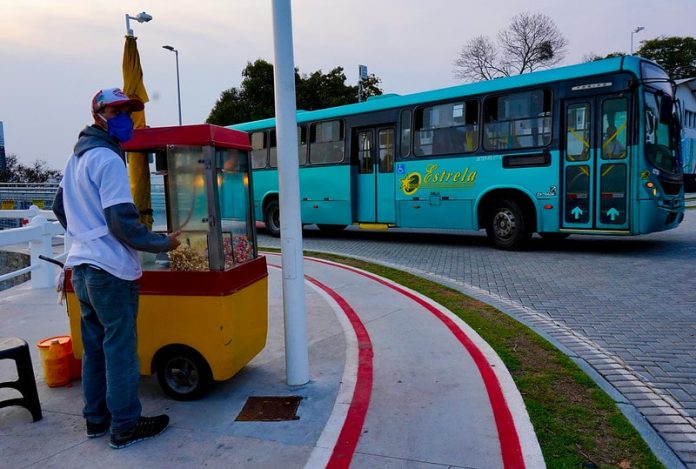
59 364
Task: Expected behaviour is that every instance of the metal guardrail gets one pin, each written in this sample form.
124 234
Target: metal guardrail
38 234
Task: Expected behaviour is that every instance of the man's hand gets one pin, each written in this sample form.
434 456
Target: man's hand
173 241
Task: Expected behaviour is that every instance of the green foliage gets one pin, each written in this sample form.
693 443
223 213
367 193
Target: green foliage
254 99
593 57
677 55
38 171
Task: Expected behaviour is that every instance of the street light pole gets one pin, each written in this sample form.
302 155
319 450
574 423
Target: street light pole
141 18
178 87
637 30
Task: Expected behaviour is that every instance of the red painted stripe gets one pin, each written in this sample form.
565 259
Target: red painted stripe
507 433
355 418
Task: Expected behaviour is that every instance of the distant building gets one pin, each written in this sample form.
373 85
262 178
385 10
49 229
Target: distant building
686 93
3 164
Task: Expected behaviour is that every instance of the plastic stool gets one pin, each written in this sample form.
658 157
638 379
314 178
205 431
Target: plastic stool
18 350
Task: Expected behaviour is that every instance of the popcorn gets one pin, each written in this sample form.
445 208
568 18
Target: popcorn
238 252
242 249
186 258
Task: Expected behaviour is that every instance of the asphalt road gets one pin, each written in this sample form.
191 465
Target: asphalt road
625 308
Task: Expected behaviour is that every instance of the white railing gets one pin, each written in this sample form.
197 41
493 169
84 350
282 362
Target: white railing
38 234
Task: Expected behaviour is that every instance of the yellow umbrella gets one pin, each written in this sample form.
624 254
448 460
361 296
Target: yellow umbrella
138 167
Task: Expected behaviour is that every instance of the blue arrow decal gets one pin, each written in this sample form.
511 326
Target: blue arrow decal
612 213
577 211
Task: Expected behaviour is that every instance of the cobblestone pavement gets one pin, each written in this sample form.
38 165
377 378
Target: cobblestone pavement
624 308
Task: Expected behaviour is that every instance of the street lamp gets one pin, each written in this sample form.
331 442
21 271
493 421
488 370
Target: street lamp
178 88
141 18
637 30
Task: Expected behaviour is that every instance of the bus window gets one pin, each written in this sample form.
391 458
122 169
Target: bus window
517 120
258 150
446 128
614 114
365 165
326 142
578 132
301 146
405 133
273 149
385 147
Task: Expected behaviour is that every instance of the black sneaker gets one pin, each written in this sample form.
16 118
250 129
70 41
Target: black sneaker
95 430
146 428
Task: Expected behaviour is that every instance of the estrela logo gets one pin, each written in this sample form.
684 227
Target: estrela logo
411 183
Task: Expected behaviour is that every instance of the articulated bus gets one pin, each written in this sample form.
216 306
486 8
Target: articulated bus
584 149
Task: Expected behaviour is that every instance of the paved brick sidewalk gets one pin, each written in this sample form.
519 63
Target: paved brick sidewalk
625 306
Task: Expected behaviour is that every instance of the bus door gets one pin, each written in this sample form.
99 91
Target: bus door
374 186
595 163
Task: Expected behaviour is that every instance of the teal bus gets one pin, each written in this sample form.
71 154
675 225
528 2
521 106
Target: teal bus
583 149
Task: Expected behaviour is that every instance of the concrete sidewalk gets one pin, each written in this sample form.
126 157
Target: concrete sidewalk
396 381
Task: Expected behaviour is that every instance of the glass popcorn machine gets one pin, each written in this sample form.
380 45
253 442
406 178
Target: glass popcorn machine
203 311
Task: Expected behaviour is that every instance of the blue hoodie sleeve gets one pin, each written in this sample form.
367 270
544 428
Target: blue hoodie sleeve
124 223
58 208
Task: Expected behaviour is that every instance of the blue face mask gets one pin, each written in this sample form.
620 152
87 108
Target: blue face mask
120 127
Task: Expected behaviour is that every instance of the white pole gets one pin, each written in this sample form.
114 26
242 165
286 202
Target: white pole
178 87
129 31
42 276
296 355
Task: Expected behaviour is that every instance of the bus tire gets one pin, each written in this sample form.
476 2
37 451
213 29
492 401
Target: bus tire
183 374
331 228
271 217
507 226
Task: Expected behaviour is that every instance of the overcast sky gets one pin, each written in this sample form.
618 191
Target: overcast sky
55 55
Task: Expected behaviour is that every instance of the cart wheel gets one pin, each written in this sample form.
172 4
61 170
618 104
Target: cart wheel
184 375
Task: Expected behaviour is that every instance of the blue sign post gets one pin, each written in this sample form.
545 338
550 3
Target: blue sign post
362 72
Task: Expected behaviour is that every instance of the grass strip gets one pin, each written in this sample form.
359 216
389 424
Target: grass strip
577 424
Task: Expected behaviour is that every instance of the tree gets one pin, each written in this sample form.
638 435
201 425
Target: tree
592 57
531 41
37 172
677 55
255 99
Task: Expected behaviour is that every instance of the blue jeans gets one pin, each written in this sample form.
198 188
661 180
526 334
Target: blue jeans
110 366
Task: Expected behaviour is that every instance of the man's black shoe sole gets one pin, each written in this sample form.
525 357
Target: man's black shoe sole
132 442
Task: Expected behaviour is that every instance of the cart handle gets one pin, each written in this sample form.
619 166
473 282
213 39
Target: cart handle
51 260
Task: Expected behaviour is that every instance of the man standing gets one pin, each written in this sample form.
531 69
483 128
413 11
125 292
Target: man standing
95 206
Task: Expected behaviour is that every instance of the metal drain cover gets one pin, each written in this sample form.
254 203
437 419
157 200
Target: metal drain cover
270 409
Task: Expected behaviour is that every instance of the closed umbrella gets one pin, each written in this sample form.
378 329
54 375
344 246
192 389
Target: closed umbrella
138 165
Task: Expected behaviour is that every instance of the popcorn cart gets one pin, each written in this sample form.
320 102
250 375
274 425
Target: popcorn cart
203 311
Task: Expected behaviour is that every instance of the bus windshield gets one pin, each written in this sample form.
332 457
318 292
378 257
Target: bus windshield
659 127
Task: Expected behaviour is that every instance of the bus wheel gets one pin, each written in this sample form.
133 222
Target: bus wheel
184 375
507 227
271 216
331 228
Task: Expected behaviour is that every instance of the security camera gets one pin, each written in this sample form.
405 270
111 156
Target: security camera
143 17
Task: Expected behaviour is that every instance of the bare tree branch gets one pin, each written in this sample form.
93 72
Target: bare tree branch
478 61
531 41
